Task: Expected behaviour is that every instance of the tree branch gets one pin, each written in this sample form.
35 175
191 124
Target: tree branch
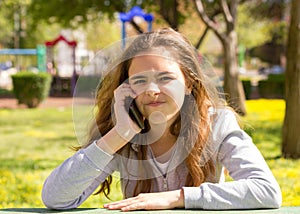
242 1
233 10
209 23
136 26
226 11
202 38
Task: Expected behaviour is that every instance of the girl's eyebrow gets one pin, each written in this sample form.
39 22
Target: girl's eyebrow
137 77
163 73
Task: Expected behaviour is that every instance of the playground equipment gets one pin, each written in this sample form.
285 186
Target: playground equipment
7 69
127 17
50 55
40 52
61 82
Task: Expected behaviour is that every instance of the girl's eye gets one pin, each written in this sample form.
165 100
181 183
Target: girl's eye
165 78
138 82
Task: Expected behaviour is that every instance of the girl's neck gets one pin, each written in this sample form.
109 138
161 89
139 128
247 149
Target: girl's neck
159 137
163 145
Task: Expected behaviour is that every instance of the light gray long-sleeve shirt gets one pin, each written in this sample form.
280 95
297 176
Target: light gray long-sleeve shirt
254 186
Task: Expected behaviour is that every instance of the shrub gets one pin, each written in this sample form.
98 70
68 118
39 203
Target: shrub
247 87
5 92
62 86
87 85
273 87
31 88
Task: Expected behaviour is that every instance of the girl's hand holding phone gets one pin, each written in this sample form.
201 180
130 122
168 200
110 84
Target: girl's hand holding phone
125 127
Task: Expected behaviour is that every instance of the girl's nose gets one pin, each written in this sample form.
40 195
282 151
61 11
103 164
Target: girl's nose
152 89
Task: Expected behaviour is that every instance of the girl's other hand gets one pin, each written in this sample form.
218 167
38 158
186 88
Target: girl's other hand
150 201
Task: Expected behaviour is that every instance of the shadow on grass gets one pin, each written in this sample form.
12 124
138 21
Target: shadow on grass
267 137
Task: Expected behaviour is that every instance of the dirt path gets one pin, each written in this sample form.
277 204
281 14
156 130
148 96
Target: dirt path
12 103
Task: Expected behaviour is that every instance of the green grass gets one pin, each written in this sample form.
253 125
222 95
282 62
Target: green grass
264 124
34 141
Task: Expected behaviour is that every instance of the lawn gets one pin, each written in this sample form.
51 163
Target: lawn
34 141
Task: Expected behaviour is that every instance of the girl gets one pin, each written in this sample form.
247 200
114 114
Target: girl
177 159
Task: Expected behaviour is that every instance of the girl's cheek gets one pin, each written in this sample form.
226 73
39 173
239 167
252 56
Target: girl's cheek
138 91
176 93
174 90
139 101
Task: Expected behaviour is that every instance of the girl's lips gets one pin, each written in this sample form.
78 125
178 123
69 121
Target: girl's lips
154 104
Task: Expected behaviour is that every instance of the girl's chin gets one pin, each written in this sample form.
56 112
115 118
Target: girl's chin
157 117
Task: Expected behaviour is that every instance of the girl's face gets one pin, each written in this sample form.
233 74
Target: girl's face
159 84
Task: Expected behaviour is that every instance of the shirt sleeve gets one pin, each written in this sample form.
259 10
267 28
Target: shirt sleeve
71 183
254 185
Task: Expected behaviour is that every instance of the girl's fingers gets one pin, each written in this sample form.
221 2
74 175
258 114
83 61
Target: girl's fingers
124 91
148 201
136 206
135 203
120 204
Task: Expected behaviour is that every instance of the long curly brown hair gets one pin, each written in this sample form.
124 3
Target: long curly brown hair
197 127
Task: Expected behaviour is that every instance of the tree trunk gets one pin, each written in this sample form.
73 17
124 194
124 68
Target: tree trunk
232 85
290 136
169 12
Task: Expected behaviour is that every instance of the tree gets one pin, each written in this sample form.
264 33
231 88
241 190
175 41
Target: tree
18 30
174 14
79 12
232 85
7 27
172 11
13 23
75 12
248 22
271 15
291 136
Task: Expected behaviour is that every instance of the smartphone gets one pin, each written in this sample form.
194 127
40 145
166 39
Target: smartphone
136 115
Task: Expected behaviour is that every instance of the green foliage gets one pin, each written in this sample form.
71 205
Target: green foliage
276 77
6 23
31 88
79 12
39 32
5 92
256 20
273 87
247 25
97 33
16 24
